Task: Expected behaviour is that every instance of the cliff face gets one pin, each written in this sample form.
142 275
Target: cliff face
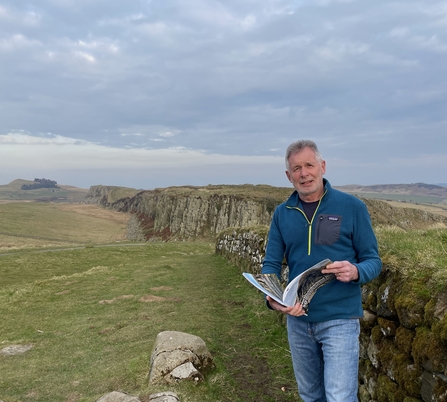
107 195
194 212
203 212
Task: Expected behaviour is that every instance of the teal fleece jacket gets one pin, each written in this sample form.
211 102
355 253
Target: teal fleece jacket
340 230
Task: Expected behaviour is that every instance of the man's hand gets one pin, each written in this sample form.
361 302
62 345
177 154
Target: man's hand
295 310
344 271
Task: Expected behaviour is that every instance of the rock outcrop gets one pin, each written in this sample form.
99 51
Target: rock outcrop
195 212
189 213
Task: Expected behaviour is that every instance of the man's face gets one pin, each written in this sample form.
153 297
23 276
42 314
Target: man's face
306 174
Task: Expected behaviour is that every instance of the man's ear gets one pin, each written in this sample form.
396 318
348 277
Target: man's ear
323 166
288 176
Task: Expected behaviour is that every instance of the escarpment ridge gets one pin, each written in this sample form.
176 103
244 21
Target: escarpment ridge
202 212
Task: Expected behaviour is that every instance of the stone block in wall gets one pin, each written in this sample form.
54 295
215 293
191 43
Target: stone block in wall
388 327
370 292
386 295
404 339
369 320
368 376
434 387
243 247
388 390
429 351
410 304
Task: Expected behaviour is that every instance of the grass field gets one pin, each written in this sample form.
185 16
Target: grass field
91 309
91 304
439 209
32 224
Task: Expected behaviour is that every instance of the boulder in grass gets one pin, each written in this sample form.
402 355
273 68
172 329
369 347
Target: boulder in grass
179 356
116 396
164 397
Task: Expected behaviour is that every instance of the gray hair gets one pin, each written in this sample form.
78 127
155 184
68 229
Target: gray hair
298 146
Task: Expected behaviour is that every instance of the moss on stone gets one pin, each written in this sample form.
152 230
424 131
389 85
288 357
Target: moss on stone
437 316
440 391
388 327
428 351
388 390
408 375
404 339
429 310
386 295
410 304
386 356
376 335
439 329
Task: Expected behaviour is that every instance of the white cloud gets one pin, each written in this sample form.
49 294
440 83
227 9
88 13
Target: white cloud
24 138
167 134
20 150
336 51
18 41
430 43
101 45
84 56
196 80
24 19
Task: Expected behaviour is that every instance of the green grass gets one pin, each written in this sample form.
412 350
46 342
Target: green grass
31 224
416 254
80 306
117 193
91 334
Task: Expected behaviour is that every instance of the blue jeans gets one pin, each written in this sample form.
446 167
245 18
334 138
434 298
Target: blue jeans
325 357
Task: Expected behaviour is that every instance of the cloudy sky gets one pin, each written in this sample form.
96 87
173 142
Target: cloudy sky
154 93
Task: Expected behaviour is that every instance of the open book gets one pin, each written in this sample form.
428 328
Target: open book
300 289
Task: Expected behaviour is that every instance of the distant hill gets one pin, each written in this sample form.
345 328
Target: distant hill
414 193
13 192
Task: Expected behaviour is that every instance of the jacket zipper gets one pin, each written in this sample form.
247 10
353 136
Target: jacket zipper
309 232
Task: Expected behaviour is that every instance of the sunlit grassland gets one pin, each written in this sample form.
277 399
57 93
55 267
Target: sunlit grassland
88 314
31 224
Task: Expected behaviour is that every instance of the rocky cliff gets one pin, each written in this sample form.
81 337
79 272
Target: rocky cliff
202 212
194 212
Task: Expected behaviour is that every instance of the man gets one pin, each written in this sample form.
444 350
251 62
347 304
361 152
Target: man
315 223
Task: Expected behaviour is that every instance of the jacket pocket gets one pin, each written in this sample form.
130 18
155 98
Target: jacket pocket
327 229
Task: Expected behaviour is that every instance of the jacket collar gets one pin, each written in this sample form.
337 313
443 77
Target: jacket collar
294 199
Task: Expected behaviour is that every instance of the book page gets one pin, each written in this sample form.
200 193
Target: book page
303 287
268 284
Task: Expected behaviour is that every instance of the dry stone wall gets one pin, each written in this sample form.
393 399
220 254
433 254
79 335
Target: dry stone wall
244 247
404 332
